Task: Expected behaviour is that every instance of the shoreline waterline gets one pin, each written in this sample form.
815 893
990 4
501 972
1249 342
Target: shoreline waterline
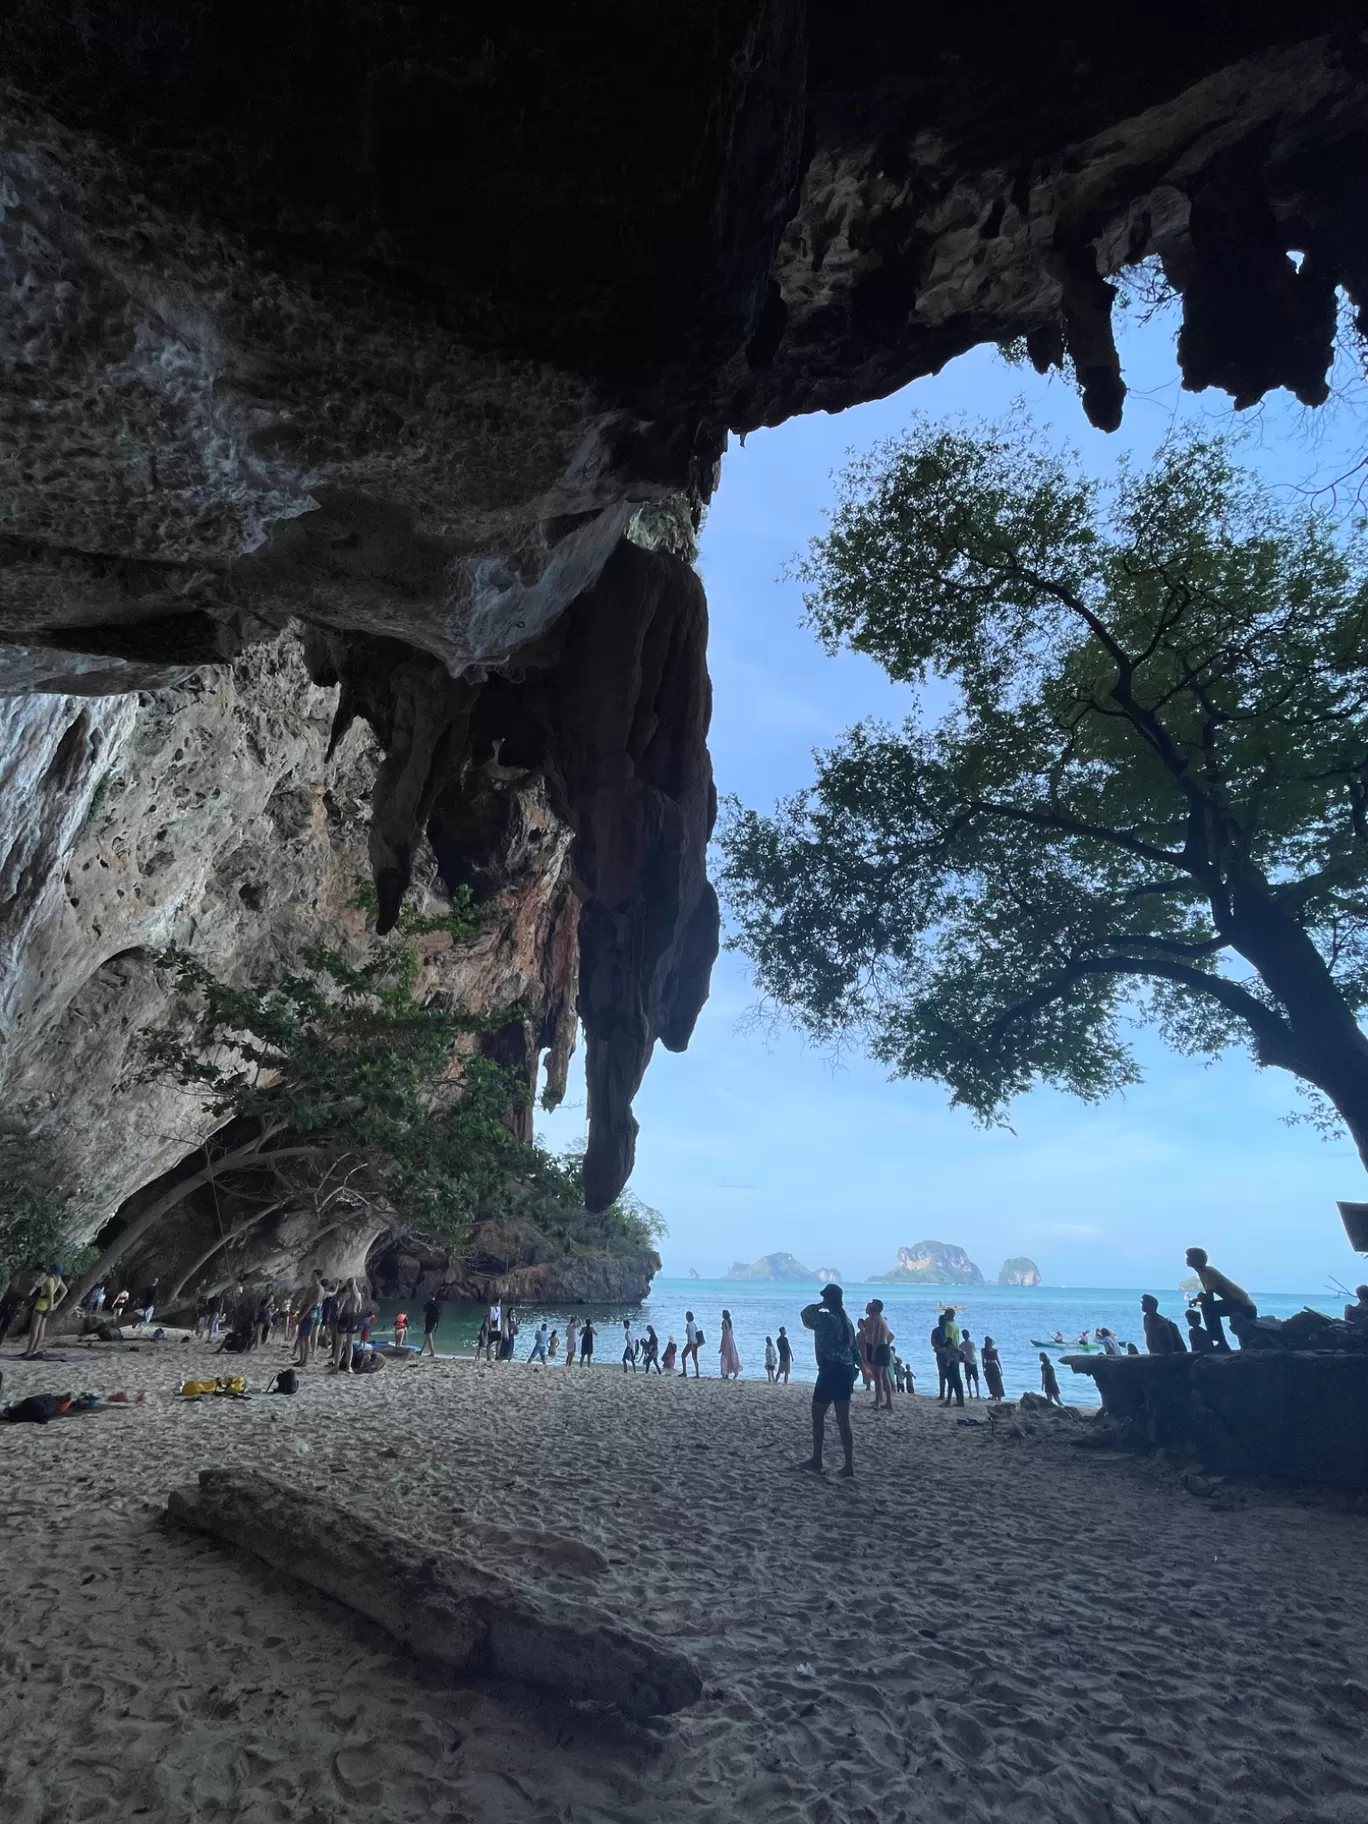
1014 1316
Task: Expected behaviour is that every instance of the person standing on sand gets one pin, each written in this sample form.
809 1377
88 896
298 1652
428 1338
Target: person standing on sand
1049 1381
879 1341
692 1339
862 1351
838 1365
539 1342
668 1360
571 1341
586 1344
348 1322
771 1359
47 1298
650 1350
303 1335
992 1370
969 1350
939 1344
629 1347
785 1348
731 1361
432 1316
493 1331
954 1386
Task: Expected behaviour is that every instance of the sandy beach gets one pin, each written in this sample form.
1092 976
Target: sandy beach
974 1629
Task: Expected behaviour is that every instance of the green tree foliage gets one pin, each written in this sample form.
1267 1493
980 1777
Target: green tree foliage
339 1059
34 1232
1134 782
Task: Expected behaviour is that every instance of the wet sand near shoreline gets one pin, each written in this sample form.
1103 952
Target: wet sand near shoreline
973 1629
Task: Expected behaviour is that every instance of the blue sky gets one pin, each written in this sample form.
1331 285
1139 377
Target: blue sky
753 1141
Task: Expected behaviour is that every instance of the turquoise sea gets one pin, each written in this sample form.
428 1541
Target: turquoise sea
1011 1315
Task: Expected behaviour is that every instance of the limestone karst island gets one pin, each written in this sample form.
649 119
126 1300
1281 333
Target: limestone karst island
643 649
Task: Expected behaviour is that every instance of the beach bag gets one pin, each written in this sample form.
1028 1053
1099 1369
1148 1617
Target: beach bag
287 1381
700 1338
195 1390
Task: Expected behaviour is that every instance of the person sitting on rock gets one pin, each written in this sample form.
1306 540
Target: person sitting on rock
1358 1313
1162 1335
1220 1297
1200 1338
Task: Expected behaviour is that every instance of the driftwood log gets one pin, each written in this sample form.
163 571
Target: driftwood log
439 1605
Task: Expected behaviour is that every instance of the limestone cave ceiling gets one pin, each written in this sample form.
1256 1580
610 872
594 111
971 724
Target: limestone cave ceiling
423 327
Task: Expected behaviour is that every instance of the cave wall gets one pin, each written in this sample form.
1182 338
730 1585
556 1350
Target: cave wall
424 328
208 815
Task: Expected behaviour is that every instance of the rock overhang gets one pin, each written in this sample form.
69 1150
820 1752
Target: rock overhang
390 321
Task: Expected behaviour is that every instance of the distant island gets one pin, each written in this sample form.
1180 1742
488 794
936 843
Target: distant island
931 1263
782 1268
693 1273
830 1276
1020 1270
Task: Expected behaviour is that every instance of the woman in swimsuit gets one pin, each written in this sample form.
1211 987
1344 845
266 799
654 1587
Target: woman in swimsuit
50 1292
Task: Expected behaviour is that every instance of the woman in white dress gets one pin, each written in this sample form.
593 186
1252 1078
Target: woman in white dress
731 1361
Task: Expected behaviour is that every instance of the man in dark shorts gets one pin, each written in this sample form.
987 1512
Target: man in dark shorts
785 1348
432 1316
879 1341
833 1339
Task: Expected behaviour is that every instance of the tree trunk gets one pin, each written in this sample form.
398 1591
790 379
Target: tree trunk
240 1228
1330 1049
441 1605
152 1215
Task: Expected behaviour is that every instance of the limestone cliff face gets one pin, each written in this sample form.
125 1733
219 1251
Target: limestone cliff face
931 1263
208 815
425 327
512 1261
1019 1270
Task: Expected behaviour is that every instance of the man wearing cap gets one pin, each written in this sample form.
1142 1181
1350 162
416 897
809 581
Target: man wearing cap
833 1338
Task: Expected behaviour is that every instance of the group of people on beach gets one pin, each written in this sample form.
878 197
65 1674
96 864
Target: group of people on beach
32 1299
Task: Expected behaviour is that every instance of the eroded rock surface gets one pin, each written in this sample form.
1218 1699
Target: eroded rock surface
208 815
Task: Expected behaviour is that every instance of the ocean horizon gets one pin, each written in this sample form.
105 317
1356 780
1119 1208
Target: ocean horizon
1014 1316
